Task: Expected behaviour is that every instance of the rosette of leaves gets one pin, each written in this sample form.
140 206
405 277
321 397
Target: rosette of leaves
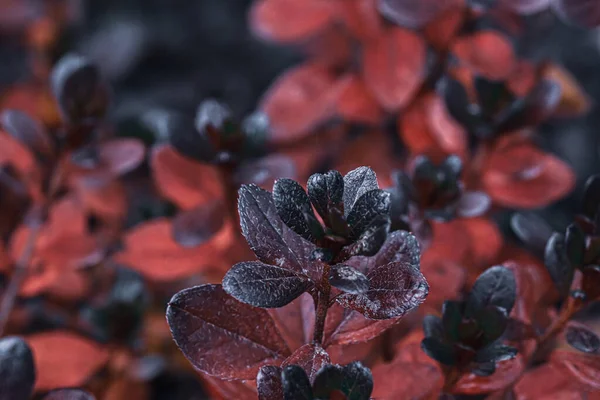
577 249
224 331
216 137
291 382
494 109
468 336
433 192
354 211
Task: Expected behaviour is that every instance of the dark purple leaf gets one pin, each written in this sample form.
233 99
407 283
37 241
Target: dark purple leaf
263 285
494 287
181 133
79 89
452 314
582 338
270 239
591 196
492 322
348 279
268 383
484 369
356 183
354 380
69 394
294 208
581 12
461 109
413 13
433 327
311 357
443 353
400 246
575 245
473 204
296 385
557 262
370 211
526 7
222 336
496 352
394 289
17 369
326 193
533 230
591 282
28 131
371 240
452 166
193 227
344 326
517 331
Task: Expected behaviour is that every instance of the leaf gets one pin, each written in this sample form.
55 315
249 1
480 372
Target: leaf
414 14
522 176
492 322
591 196
69 394
582 12
526 7
487 53
17 369
496 352
185 182
311 357
27 131
221 336
295 321
294 208
452 316
370 240
79 89
355 102
356 183
400 246
585 368
300 100
268 236
582 338
289 21
354 380
494 287
263 285
433 327
78 358
533 230
368 211
440 351
326 193
348 280
394 289
411 380
557 262
193 227
506 373
268 383
394 67
296 385
575 245
473 204
265 171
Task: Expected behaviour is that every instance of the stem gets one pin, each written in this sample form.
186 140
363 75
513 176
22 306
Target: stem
452 378
18 277
322 305
231 192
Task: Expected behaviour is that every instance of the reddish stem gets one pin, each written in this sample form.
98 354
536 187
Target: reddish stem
322 305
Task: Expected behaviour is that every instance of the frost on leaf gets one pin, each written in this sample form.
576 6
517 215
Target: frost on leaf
222 336
268 236
294 208
356 183
348 279
311 357
262 285
394 289
268 383
354 380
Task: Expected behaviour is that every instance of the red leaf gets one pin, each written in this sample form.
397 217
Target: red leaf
311 357
151 250
295 321
102 195
446 279
442 30
401 380
415 13
28 131
585 368
523 78
394 67
226 390
290 20
64 359
331 48
488 53
185 182
582 12
361 18
299 101
522 176
221 336
15 154
506 373
427 127
556 385
356 103
269 384
485 239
